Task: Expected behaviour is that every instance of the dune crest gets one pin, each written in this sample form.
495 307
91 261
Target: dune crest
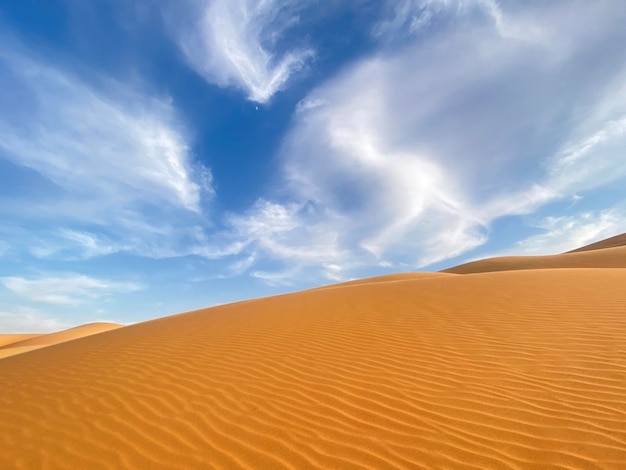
617 240
612 257
18 344
8 339
387 278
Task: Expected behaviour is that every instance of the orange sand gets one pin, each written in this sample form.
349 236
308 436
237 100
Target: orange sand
6 340
511 369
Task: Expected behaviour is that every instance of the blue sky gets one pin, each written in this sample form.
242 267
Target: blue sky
162 156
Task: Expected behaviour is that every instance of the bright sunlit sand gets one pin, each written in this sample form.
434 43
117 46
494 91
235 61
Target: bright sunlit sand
517 368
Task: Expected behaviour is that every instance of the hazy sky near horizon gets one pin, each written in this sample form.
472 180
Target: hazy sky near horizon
158 156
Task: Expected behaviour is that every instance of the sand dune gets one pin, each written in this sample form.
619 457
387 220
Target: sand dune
515 369
6 340
618 240
614 257
18 344
387 278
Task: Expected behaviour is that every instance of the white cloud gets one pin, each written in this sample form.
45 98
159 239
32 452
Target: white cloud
19 319
307 104
417 16
66 289
116 172
74 244
593 157
386 197
572 154
76 135
568 232
234 43
405 160
295 235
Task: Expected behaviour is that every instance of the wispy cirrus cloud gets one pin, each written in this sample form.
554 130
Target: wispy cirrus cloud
561 233
406 159
411 17
111 163
236 43
74 134
298 237
65 289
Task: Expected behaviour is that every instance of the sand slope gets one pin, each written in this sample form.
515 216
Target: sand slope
613 257
17 344
515 369
617 240
7 339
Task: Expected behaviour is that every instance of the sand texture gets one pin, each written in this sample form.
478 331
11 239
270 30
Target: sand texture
513 369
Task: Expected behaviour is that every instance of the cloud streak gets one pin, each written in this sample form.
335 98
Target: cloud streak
65 289
561 233
74 134
414 17
111 163
237 43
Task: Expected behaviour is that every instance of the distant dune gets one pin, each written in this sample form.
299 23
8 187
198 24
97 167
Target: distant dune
614 257
6 340
17 344
618 240
523 368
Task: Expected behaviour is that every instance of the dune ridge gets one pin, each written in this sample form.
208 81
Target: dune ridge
610 257
386 278
18 344
617 240
8 339
511 369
